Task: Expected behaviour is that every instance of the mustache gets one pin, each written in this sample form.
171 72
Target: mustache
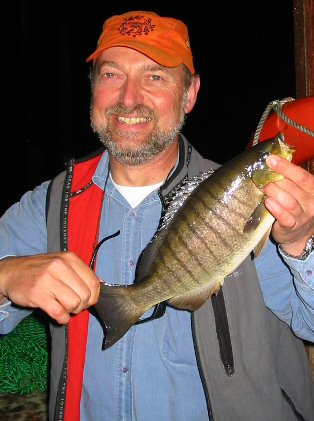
139 110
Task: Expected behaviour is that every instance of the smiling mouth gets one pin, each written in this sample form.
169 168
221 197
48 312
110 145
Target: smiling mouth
133 120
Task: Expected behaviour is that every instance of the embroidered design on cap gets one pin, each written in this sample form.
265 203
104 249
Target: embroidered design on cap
136 26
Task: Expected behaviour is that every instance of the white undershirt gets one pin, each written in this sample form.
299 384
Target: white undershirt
134 195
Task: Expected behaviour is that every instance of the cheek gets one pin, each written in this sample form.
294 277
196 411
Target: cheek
101 99
168 108
100 102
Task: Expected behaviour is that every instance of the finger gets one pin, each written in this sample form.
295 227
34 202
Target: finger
287 195
62 276
59 276
51 295
55 310
87 276
71 271
281 214
297 174
44 300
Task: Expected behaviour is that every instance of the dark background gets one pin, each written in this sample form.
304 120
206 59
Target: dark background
243 51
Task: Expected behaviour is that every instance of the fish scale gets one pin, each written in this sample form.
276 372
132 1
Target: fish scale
204 236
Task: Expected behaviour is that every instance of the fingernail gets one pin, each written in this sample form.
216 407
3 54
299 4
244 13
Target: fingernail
272 160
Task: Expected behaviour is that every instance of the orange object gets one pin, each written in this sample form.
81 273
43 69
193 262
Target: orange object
301 114
164 40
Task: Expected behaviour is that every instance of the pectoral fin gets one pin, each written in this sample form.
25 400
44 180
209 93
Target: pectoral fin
255 218
258 249
194 300
258 216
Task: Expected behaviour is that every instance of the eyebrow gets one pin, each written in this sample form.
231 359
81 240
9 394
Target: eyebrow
145 67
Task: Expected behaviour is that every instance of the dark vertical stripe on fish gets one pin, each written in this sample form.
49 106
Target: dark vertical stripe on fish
185 219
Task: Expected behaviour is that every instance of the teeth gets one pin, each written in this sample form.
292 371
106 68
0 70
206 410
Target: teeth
133 120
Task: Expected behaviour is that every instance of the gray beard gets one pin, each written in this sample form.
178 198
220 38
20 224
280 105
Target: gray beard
146 151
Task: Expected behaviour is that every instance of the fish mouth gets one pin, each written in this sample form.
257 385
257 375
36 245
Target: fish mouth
287 150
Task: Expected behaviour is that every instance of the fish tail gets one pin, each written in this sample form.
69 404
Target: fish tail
116 312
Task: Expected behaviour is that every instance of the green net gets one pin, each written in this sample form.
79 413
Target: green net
24 357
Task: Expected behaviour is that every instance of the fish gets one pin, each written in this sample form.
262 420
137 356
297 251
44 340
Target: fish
202 238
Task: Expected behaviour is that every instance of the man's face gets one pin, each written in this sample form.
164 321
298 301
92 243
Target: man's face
138 106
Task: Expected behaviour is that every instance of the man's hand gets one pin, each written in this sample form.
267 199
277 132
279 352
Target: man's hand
58 283
291 202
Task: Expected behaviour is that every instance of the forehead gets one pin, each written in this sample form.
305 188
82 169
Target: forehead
125 58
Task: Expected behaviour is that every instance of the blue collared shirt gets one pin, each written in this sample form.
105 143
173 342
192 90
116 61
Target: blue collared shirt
154 359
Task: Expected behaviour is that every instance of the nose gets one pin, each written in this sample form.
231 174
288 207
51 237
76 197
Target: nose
131 93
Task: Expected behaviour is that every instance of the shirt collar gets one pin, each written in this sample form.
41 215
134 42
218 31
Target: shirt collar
102 171
101 175
102 180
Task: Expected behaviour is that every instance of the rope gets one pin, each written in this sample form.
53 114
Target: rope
276 106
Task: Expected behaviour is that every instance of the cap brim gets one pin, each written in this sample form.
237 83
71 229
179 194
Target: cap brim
154 53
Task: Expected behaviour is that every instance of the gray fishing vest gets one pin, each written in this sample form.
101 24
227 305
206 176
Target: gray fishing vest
251 365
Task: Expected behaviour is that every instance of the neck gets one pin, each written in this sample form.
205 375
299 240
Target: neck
148 173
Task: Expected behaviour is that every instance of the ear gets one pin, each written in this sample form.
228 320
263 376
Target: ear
192 94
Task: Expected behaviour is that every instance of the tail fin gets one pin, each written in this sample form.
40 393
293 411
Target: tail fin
116 312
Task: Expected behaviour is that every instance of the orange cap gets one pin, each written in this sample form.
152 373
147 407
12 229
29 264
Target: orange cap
164 40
